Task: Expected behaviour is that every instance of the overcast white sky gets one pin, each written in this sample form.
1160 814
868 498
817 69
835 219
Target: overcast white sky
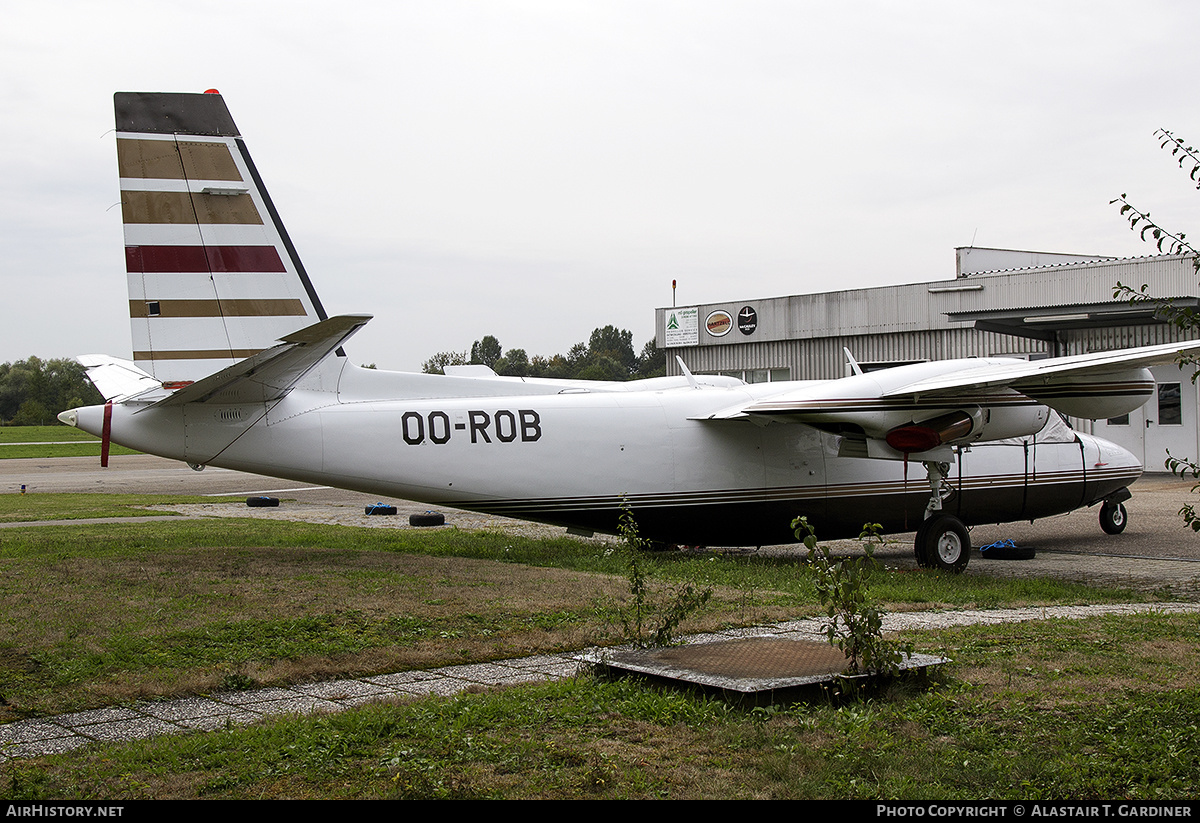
533 170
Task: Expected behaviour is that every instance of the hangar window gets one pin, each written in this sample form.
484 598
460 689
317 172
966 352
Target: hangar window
1170 407
1123 420
880 365
758 375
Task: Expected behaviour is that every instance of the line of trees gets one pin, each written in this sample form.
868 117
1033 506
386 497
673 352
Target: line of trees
607 355
33 391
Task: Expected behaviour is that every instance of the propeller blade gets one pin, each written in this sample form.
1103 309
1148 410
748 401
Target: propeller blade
105 434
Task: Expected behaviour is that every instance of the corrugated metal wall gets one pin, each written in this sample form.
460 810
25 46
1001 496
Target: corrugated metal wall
806 333
822 358
1123 337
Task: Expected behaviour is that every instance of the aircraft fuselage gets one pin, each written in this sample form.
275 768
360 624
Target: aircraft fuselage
571 458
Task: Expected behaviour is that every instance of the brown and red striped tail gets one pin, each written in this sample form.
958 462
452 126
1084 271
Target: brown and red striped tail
213 276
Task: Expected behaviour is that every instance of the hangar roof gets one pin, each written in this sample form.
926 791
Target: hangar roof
1028 302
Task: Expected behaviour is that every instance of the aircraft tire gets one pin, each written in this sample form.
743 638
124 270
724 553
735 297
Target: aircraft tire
1113 518
919 546
262 502
427 519
945 544
1008 552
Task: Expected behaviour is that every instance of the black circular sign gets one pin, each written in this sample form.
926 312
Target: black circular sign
747 320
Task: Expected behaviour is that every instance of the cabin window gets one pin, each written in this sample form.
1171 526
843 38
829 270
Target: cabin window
153 309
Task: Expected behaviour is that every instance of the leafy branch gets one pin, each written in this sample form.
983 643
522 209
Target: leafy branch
1140 221
1166 242
1186 469
1182 152
1182 317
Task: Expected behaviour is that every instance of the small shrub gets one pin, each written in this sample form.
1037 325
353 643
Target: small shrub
649 621
855 625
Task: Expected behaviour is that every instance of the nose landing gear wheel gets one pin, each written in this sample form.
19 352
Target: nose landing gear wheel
1113 518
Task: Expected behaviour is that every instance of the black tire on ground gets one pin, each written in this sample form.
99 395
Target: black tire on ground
379 508
262 502
1113 518
427 519
1008 553
944 543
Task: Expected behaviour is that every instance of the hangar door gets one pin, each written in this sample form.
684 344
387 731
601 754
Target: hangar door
1167 422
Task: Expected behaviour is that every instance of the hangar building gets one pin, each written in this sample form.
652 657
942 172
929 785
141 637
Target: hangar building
1001 302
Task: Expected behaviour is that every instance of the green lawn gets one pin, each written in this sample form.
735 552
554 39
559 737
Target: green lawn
41 434
51 441
99 615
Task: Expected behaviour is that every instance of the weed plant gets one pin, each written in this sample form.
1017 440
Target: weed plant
855 624
651 620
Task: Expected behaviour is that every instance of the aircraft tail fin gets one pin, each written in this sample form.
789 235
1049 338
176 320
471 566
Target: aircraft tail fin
213 277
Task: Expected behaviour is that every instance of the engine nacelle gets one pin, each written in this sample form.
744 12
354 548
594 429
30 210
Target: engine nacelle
1094 396
964 426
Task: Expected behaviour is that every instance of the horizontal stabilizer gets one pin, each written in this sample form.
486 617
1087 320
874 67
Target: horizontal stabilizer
116 379
271 374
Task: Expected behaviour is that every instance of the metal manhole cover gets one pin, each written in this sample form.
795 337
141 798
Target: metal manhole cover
750 664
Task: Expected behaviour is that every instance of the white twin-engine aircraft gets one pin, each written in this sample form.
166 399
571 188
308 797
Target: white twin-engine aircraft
236 364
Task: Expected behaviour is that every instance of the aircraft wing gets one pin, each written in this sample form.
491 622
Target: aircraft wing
925 406
271 373
1080 377
1037 373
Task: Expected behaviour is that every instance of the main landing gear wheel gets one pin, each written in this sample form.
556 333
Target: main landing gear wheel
919 545
1113 518
943 543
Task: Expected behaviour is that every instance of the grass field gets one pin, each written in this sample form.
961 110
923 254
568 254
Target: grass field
39 434
17 508
51 441
98 615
